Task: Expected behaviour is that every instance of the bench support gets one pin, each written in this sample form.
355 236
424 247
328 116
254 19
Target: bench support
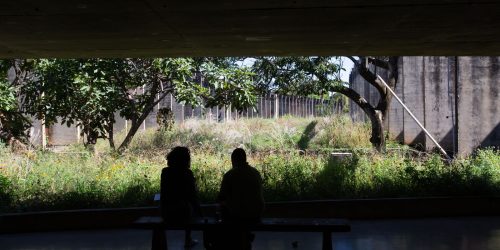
327 240
159 241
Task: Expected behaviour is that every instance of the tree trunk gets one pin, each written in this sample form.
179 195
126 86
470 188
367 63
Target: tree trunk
91 141
376 114
111 137
378 138
128 139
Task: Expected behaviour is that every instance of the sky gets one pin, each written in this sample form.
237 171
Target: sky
347 64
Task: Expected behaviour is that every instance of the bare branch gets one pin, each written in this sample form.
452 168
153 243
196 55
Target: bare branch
356 62
355 97
379 63
377 138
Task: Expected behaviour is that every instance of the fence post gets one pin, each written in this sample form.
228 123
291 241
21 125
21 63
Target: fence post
294 105
314 107
263 107
182 112
302 106
311 107
276 107
144 122
269 106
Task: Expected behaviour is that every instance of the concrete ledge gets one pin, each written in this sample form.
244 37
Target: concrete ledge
351 209
389 208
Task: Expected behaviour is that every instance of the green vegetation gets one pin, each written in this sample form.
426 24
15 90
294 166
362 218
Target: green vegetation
90 92
291 153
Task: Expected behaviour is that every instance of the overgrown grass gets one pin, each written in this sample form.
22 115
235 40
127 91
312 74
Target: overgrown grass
291 154
256 135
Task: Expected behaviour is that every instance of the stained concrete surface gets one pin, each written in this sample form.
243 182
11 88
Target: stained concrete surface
154 28
434 233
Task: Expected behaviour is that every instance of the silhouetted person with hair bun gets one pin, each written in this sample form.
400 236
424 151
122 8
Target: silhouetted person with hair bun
179 199
241 198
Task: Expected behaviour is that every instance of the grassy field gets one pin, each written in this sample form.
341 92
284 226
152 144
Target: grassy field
292 155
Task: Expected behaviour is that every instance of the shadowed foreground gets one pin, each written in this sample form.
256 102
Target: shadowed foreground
433 233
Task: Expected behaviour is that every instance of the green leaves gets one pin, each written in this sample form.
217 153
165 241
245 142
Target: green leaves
8 100
301 76
229 84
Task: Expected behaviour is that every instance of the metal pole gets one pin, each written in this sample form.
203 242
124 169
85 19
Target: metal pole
415 119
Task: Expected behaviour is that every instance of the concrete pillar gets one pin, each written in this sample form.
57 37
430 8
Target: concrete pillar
478 103
396 114
413 97
439 102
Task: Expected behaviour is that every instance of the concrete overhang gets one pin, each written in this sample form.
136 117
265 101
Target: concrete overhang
154 28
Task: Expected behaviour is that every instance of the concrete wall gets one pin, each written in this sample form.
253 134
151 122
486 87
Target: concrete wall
60 135
457 102
478 104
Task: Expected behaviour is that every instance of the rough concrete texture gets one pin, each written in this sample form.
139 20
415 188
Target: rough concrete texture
458 103
478 103
153 28
439 104
396 113
60 134
413 96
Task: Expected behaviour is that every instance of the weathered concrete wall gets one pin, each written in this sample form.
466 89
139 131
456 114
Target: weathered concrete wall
439 101
478 103
367 91
36 132
413 97
396 114
458 103
59 134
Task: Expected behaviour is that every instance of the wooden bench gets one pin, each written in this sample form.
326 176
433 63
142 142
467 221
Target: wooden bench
325 226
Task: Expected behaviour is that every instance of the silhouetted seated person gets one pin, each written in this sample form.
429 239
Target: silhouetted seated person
241 200
179 201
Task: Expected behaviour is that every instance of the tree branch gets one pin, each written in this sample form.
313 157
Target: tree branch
372 79
355 97
377 138
356 62
379 63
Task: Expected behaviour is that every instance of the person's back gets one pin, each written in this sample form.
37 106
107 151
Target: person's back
178 201
178 194
241 202
241 190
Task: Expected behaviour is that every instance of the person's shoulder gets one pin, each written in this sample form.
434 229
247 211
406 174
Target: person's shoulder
189 172
229 173
165 170
253 169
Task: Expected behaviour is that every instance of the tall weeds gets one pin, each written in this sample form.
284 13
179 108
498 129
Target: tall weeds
291 154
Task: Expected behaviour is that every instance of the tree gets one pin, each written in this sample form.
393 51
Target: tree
89 92
377 114
13 124
320 75
229 84
75 92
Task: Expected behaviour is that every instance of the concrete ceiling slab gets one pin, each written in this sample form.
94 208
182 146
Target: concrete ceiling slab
153 28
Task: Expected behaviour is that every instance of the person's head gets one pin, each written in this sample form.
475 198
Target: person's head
239 158
179 157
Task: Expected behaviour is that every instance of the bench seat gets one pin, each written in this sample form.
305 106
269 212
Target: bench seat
325 226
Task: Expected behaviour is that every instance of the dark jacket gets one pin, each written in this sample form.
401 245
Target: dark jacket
241 193
179 200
